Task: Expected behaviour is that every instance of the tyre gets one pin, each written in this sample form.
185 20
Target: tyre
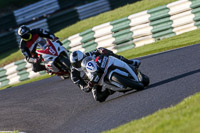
145 80
127 82
64 60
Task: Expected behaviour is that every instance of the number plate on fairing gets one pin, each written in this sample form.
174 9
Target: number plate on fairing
51 50
91 66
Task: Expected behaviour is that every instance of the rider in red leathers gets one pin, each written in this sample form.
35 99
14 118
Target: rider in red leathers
28 44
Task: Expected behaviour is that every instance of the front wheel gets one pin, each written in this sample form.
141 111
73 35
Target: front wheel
64 60
127 82
145 80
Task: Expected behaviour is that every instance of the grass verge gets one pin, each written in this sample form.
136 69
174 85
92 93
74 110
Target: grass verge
10 56
182 118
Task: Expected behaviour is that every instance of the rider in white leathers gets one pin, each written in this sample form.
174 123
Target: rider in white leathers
79 77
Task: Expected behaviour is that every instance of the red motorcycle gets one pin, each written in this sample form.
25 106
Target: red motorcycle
55 57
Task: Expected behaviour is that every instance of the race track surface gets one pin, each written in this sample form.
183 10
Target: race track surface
58 106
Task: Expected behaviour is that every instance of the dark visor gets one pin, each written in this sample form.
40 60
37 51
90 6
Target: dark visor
77 64
26 36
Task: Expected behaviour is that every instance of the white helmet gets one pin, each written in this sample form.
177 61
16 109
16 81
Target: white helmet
76 58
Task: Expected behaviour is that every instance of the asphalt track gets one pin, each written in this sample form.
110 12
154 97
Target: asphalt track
58 106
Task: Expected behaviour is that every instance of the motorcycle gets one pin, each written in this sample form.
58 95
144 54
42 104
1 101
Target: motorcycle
55 57
114 74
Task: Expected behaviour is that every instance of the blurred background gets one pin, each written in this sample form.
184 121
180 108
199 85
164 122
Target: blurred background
52 15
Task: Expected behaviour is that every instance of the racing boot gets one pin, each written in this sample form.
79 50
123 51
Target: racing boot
107 92
49 72
110 91
100 95
135 63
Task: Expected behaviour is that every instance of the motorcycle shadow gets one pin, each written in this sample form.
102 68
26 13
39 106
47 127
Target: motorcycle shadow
157 84
121 94
171 79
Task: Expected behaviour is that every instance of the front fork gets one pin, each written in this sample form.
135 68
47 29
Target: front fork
59 65
139 75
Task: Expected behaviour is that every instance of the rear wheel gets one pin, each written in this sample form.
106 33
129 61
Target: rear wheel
127 82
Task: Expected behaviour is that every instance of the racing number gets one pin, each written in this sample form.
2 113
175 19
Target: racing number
52 51
90 66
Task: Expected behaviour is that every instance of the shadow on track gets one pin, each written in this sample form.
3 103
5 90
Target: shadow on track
173 78
158 83
122 95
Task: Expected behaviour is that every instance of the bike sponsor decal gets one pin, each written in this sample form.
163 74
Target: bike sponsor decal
105 59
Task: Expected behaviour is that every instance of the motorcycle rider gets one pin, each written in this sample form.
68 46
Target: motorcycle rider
28 44
79 77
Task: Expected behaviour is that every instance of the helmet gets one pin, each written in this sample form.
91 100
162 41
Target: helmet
76 58
24 32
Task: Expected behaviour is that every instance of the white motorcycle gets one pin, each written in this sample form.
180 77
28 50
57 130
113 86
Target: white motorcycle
55 57
114 74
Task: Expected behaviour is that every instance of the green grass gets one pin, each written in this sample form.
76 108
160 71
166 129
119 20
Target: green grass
182 118
111 16
10 56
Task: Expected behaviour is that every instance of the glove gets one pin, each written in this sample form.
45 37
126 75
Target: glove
34 60
86 88
55 39
90 84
